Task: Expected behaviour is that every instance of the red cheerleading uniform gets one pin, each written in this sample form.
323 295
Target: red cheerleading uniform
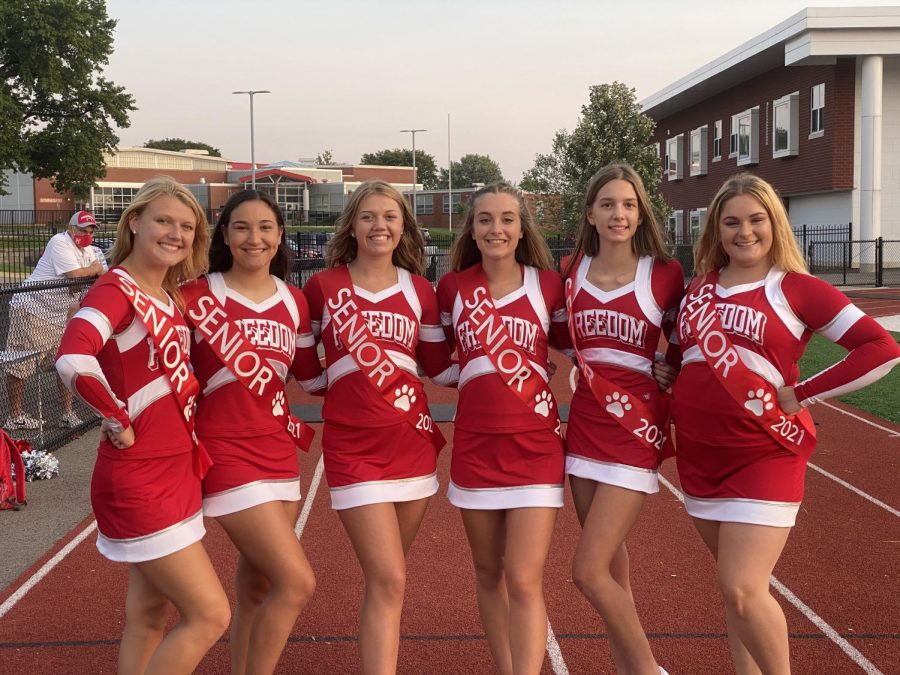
146 498
371 454
254 458
503 455
730 468
617 333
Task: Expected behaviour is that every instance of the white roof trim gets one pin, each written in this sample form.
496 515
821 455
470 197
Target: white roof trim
815 31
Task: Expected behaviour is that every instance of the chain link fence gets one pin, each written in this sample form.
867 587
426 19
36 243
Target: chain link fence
35 406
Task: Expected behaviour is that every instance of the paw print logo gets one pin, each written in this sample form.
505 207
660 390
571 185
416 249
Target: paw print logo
189 407
278 404
617 404
544 404
758 401
406 396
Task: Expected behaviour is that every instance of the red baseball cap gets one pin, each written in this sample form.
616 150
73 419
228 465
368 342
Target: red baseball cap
82 219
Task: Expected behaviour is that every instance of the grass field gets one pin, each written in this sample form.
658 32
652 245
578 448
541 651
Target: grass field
881 398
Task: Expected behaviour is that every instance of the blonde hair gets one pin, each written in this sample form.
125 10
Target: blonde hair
531 250
410 251
709 254
189 268
648 239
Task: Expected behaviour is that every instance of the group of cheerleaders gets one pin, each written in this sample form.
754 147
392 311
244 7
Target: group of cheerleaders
188 377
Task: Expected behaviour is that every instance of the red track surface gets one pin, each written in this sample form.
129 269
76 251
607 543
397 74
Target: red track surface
841 561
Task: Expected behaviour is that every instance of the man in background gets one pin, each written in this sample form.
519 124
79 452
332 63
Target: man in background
37 318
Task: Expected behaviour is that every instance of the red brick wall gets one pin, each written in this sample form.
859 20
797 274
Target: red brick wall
823 164
48 199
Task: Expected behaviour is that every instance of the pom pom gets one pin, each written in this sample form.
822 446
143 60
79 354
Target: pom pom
39 465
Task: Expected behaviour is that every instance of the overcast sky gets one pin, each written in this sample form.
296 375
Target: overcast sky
347 75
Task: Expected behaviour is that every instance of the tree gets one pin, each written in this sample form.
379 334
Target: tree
179 144
56 109
471 169
324 158
426 168
611 128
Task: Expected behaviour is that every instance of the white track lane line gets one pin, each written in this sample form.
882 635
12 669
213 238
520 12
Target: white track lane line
890 432
310 497
864 495
553 650
45 569
555 653
855 655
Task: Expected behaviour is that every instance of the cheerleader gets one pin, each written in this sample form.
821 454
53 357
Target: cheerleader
501 307
125 354
623 291
378 320
742 425
250 330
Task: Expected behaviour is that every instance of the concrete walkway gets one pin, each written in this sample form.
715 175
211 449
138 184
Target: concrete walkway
54 507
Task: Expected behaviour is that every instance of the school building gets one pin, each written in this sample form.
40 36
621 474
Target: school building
306 193
811 105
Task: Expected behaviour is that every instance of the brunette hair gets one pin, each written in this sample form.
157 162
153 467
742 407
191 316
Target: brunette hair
189 268
531 250
220 258
709 253
647 240
410 251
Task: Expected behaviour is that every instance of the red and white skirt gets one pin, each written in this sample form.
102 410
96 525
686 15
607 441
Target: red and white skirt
506 471
376 465
600 449
760 484
146 508
249 471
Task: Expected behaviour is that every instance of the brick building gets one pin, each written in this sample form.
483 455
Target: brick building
306 193
812 106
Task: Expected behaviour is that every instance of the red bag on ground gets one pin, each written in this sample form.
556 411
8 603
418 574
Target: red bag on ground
12 496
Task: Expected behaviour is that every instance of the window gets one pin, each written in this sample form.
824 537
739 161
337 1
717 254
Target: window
748 137
109 202
785 130
817 111
456 200
674 157
698 222
673 227
733 142
717 140
699 151
424 205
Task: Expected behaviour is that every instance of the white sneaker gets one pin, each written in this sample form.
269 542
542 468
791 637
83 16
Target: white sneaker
69 420
23 421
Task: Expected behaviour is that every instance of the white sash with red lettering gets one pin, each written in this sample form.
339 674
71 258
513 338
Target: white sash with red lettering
403 392
171 355
633 415
237 353
752 393
510 362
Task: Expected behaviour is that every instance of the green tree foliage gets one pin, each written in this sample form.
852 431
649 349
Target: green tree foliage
611 128
426 167
57 111
178 144
471 169
324 158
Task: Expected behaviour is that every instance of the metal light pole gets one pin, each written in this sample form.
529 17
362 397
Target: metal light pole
252 148
414 132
